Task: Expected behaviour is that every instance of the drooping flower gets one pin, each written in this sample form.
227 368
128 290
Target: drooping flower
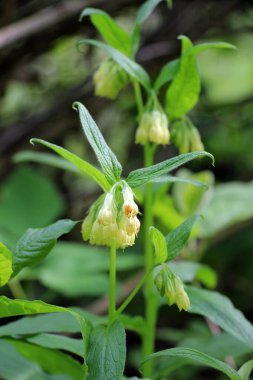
109 79
154 128
113 218
186 136
170 285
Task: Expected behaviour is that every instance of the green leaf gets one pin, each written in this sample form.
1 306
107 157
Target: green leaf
189 271
184 90
36 244
59 342
178 237
141 176
81 165
160 245
173 179
106 353
50 361
167 73
145 10
136 323
5 264
14 366
107 159
209 45
114 35
246 370
132 68
220 310
46 159
196 356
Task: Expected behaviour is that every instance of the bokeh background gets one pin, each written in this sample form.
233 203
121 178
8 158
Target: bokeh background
42 73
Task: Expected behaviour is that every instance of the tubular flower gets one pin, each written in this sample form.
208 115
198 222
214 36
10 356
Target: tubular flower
171 286
113 218
109 79
154 128
186 137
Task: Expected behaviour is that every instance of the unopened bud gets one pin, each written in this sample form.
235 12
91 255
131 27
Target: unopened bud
186 137
154 128
109 79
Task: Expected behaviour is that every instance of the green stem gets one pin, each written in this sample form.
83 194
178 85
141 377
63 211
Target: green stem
16 289
148 343
138 97
131 296
112 288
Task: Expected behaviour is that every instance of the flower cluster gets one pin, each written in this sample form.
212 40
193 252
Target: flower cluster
109 79
154 128
171 286
186 137
113 218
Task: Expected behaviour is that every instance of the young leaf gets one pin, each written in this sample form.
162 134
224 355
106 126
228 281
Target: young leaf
220 310
184 90
132 68
141 176
167 73
80 164
196 356
5 264
177 238
160 245
106 353
36 243
107 159
246 370
109 30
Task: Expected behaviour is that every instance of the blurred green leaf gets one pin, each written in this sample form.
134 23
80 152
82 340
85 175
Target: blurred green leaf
109 30
36 244
132 68
189 271
196 356
107 352
21 207
220 310
246 370
136 323
141 176
82 165
160 245
5 264
167 73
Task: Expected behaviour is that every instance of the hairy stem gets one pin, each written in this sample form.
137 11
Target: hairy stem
112 288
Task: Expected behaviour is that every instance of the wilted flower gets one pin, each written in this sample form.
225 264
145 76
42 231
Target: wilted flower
114 217
109 79
186 137
171 286
154 128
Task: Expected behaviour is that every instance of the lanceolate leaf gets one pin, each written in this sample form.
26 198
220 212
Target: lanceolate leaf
107 159
196 356
5 264
132 68
246 370
83 166
159 244
177 238
140 176
106 353
36 243
109 30
173 179
220 310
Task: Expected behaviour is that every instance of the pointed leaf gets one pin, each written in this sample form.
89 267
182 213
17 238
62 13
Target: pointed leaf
81 165
141 176
160 245
112 33
36 243
220 310
246 370
167 73
107 159
196 356
173 179
177 238
106 353
5 264
132 68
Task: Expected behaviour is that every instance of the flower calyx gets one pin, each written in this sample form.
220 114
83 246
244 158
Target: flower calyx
113 218
171 286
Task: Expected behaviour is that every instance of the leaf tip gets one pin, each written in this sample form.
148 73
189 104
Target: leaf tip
75 105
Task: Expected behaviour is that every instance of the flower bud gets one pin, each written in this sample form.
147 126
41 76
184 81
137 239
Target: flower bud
114 219
186 137
109 79
154 128
171 286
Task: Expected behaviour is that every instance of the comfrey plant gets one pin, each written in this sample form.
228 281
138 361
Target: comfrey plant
116 217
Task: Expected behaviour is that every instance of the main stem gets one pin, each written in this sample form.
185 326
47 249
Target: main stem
148 343
112 287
